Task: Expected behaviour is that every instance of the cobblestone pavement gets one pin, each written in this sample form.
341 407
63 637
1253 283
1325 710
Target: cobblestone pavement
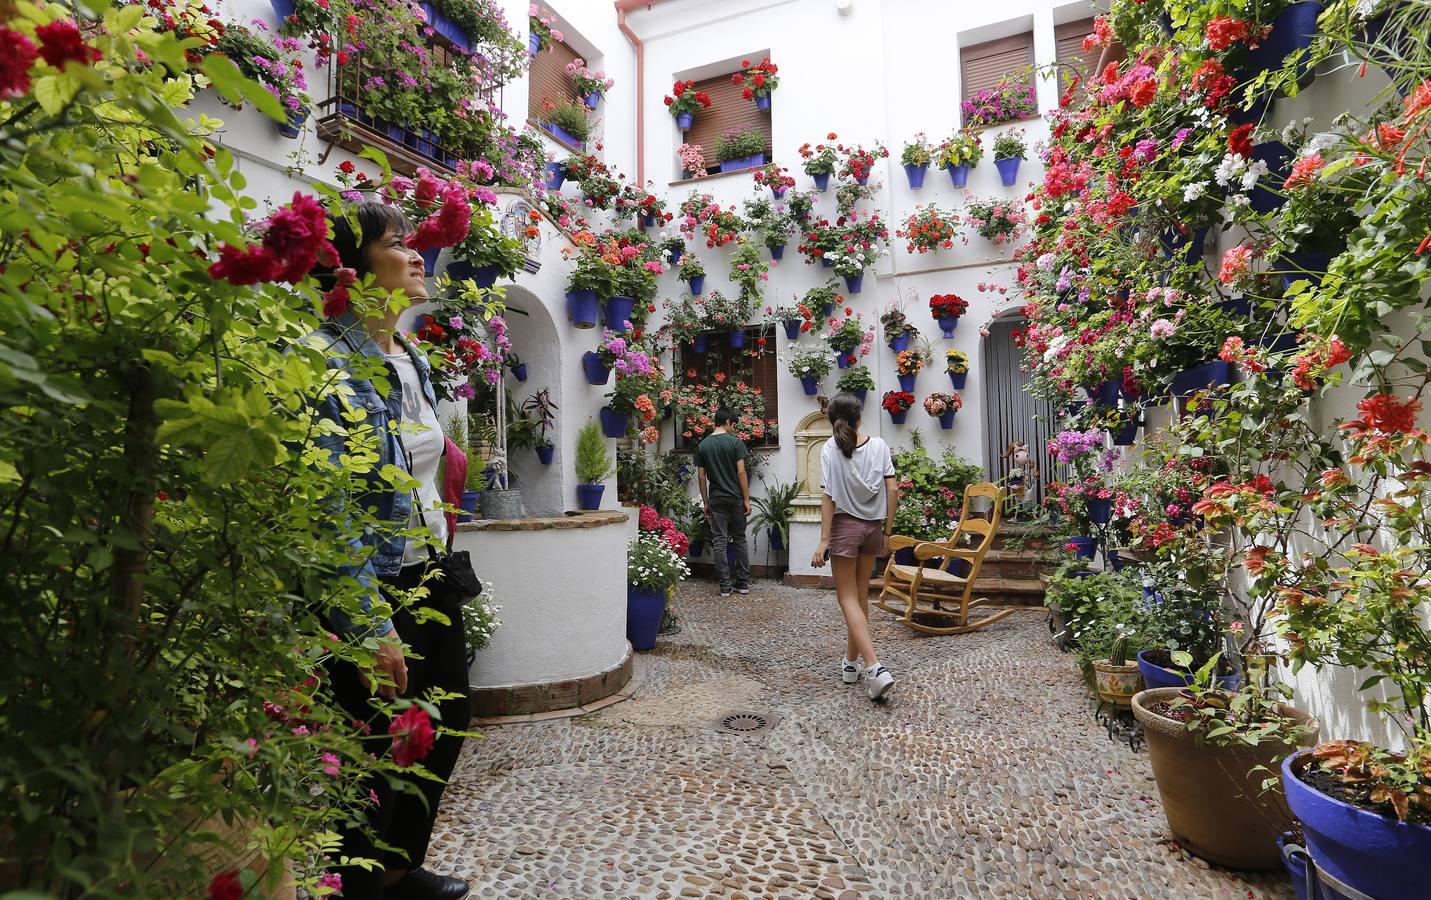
984 776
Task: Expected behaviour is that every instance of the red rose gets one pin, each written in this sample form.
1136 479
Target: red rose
226 886
17 54
60 42
412 736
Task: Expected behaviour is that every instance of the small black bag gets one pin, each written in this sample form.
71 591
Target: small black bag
454 582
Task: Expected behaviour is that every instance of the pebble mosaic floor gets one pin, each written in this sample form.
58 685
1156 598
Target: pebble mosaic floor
984 776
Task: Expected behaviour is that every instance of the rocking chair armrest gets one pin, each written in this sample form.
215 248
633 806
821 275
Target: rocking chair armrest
899 542
931 549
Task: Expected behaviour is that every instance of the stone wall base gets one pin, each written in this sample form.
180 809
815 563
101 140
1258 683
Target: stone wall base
522 699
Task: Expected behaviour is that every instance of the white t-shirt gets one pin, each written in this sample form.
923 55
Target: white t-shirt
856 484
424 445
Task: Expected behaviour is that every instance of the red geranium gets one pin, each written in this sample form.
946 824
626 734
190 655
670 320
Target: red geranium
1143 92
896 402
413 735
1239 142
61 41
1387 414
226 886
17 54
1224 31
448 226
948 306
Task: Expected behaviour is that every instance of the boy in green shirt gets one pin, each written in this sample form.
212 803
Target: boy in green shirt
725 492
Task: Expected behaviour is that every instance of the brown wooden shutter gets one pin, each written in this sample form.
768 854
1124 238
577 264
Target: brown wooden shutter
549 78
729 111
983 66
1068 42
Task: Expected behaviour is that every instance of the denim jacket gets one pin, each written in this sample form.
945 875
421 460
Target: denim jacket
342 338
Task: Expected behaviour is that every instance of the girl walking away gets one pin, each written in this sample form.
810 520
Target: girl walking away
856 520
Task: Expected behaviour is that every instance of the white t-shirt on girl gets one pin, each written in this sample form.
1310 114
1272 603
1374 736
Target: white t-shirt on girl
856 484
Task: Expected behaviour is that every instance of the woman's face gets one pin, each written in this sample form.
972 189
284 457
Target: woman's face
396 266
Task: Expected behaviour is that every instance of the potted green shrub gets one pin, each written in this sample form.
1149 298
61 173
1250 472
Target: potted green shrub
856 380
774 511
653 569
1009 151
593 466
810 365
740 148
915 158
567 122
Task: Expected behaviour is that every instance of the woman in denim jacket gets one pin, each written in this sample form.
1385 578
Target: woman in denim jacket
403 425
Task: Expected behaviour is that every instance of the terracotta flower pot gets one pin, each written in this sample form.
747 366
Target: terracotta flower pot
1116 684
1212 798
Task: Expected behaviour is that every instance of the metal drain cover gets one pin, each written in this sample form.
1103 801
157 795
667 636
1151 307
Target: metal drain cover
745 722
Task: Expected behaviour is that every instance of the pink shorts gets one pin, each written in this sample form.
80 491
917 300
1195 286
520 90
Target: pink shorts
850 536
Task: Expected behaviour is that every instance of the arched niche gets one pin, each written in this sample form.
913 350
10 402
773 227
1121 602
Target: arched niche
810 436
533 333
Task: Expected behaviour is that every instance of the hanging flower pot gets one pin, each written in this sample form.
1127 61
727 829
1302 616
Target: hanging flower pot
778 190
1191 245
845 360
959 175
777 540
676 255
860 394
582 308
534 43
853 283
685 120
947 324
592 99
762 102
616 312
1104 394
429 260
741 163
588 496
1209 375
461 269
283 9
915 174
591 365
1372 853
829 309
645 607
698 284
556 175
1008 170
826 263
777 251
566 137
294 126
648 221
519 371
946 420
1100 510
698 343
958 379
737 338
898 417
1274 154
906 382
1300 264
899 343
863 180
811 384
792 328
1294 29
613 423
822 181
544 454
1126 435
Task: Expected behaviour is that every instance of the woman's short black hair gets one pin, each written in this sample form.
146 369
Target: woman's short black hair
355 228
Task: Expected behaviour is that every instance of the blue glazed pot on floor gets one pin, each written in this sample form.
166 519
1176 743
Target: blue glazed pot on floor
645 608
588 496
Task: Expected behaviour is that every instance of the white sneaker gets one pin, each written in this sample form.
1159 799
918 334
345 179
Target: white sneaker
850 672
878 682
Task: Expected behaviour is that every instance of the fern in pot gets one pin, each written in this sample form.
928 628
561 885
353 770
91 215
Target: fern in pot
774 512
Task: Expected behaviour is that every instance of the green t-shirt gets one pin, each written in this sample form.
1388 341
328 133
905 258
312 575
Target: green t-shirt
718 455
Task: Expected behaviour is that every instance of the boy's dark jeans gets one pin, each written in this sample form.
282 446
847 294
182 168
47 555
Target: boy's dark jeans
728 527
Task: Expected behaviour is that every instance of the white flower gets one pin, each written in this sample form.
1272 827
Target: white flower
1191 192
1230 167
1256 170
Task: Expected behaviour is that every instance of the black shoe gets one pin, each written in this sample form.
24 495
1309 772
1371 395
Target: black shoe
420 884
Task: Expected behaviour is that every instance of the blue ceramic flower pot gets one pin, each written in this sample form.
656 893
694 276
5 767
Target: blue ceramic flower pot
792 328
900 342
1125 436
862 180
906 382
1008 170
591 365
647 221
556 175
616 312
1190 245
1206 376
283 9
777 191
534 43
468 505
737 338
545 453
592 99
829 309
429 260
958 380
566 137
698 284
696 549
1372 853
915 174
861 394
1084 547
1266 196
948 324
294 126
1155 676
1294 29
853 283
845 360
588 496
613 423
826 263
519 371
685 120
676 255
1303 264
946 421
645 608
1105 394
762 102
822 181
899 417
698 343
582 308
777 251
811 384
958 175
1100 510
461 269
741 163
777 540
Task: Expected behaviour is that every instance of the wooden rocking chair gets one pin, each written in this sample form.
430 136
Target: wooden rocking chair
923 590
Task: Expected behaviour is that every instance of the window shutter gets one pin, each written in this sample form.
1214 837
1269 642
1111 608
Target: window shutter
548 78
729 111
983 66
1068 41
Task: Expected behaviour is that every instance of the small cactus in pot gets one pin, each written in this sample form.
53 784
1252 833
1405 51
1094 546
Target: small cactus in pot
1115 680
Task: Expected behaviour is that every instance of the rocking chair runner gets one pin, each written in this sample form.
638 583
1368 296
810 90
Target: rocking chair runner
923 590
